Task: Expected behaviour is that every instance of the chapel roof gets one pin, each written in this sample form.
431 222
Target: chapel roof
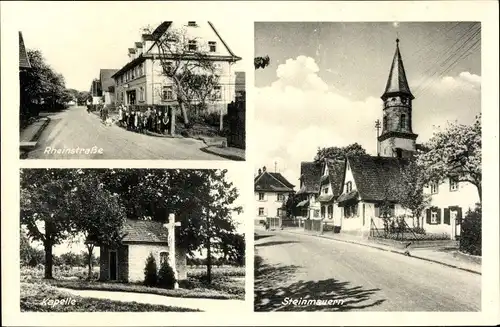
144 231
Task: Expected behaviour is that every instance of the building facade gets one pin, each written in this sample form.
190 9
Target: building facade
142 82
271 191
308 195
107 86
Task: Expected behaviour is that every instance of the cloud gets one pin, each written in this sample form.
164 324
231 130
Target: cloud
465 81
300 112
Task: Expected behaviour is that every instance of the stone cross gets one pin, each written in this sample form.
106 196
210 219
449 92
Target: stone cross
171 244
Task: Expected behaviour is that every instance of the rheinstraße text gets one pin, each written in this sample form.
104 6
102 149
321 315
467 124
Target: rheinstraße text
77 150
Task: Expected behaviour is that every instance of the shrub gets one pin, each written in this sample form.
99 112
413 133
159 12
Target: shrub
470 236
166 276
150 271
419 230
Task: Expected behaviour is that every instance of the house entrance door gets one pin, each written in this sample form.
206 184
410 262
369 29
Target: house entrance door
113 265
131 97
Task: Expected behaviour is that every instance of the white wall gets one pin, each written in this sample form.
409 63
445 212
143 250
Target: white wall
270 204
138 253
387 146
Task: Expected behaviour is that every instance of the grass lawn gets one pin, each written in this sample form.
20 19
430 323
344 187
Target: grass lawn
34 297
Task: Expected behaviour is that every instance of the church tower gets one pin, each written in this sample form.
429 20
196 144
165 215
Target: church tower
397 138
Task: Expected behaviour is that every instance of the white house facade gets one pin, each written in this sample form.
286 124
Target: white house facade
271 191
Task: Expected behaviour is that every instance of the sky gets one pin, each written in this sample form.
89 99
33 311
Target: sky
323 85
78 39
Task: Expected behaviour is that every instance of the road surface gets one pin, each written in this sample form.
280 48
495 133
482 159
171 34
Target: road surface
311 268
75 128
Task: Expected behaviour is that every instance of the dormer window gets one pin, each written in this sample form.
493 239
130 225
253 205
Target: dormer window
192 45
213 46
192 24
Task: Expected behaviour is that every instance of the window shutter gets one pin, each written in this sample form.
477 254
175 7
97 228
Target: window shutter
428 217
439 215
459 215
447 216
377 211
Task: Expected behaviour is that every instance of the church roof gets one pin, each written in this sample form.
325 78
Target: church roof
375 176
144 231
310 175
272 182
397 82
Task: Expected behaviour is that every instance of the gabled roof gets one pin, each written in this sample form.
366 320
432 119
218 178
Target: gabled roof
310 175
375 176
24 61
272 182
144 231
336 175
106 79
397 82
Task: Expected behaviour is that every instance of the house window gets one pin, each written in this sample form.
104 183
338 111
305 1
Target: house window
168 92
122 96
403 121
434 217
325 190
261 196
351 210
212 45
323 210
163 257
279 212
192 45
281 198
261 211
217 93
141 94
218 67
330 212
434 187
348 187
192 24
453 184
385 211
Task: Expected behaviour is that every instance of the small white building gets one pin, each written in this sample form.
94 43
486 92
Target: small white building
126 262
331 188
271 191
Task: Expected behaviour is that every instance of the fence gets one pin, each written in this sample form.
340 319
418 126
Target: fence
313 225
274 222
396 228
236 121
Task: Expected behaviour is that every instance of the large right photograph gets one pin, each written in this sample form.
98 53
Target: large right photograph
368 171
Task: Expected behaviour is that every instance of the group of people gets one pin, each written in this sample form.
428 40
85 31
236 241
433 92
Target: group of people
152 120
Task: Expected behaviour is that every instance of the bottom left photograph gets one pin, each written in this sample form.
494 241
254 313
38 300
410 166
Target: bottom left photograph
95 240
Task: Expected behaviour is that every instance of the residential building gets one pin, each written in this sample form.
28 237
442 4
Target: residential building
24 62
107 85
307 195
126 262
330 189
96 92
271 191
141 80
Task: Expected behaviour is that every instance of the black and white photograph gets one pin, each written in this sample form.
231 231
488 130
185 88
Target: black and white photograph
369 196
131 240
147 88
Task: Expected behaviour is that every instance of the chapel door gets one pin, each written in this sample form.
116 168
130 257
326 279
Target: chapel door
113 265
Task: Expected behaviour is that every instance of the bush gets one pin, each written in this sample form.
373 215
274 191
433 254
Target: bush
166 276
150 271
418 230
470 236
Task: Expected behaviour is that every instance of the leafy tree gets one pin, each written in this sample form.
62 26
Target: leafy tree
151 271
232 246
456 151
71 259
29 256
191 69
261 62
166 276
339 153
471 234
290 205
45 208
409 193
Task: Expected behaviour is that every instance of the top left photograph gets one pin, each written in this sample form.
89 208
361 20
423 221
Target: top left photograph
145 90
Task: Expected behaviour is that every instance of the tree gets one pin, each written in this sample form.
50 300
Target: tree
189 66
261 62
409 192
71 259
166 276
150 271
456 151
339 153
45 208
232 246
28 255
97 212
290 205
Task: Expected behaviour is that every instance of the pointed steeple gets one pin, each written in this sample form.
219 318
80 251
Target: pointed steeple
397 83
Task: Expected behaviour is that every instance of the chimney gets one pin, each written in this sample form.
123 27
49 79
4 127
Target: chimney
264 169
147 42
260 171
138 49
131 53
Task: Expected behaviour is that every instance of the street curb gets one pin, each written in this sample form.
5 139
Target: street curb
226 156
31 144
393 251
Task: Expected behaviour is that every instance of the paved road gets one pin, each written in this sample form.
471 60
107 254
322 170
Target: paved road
207 305
75 128
308 267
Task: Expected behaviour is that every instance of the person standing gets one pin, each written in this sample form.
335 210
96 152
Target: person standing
165 122
120 115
